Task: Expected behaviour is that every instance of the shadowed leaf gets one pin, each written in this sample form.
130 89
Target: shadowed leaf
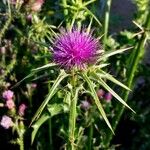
51 93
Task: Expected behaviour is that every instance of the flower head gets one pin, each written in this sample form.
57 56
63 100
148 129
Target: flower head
36 6
3 50
108 97
75 48
85 105
22 109
100 93
10 104
33 85
7 95
6 122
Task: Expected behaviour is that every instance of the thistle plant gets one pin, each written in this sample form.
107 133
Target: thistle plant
78 58
75 64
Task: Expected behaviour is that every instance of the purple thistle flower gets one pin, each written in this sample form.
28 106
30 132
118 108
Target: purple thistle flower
75 48
100 93
108 97
85 105
6 122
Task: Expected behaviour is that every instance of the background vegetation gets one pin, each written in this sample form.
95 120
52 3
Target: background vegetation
27 31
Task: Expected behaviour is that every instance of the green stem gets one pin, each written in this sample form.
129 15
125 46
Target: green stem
21 143
106 22
131 73
20 130
72 124
90 137
72 116
64 2
79 24
50 128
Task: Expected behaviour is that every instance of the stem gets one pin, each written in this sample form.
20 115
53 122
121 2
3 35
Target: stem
50 134
72 116
79 24
72 124
50 128
106 22
20 131
21 143
64 2
136 59
90 137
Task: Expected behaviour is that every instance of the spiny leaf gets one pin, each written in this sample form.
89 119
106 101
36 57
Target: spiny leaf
101 82
41 43
90 13
89 2
27 77
89 26
97 102
100 66
111 78
55 109
44 67
52 91
113 52
67 98
37 125
33 72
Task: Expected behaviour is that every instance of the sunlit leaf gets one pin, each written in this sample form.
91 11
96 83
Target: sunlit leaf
111 78
113 52
67 98
91 14
44 67
97 102
101 82
89 26
55 109
89 2
100 66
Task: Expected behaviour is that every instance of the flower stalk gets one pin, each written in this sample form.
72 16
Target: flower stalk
50 134
90 137
106 22
72 115
64 2
20 131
